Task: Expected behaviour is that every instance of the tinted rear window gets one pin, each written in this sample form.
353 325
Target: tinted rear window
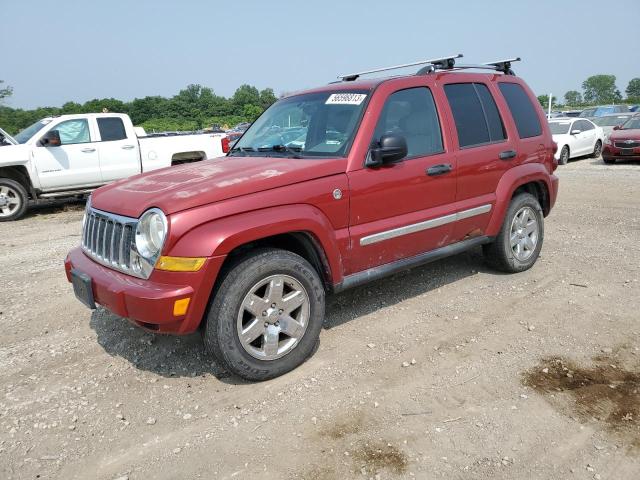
522 110
111 128
475 113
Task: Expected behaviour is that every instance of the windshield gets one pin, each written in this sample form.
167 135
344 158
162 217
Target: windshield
611 121
309 125
558 128
590 112
631 124
30 131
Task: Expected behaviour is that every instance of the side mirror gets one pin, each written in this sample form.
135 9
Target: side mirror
575 132
617 127
391 149
51 139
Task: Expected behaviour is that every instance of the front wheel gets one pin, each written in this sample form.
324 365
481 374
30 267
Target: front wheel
13 200
609 161
267 314
518 244
597 149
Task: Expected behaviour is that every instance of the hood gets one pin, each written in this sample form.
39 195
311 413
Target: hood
191 185
632 134
14 154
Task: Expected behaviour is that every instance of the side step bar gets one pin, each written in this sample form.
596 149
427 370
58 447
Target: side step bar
375 273
67 193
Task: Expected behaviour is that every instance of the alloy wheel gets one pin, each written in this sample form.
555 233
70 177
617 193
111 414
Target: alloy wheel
524 233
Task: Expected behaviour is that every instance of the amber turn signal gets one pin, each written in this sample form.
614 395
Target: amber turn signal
180 264
180 307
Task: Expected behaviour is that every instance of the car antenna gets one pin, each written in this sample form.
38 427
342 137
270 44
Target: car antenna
442 63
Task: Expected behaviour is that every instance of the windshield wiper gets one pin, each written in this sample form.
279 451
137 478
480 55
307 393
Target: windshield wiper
242 149
294 151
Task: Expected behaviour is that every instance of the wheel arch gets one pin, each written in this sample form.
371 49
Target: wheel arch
531 178
19 173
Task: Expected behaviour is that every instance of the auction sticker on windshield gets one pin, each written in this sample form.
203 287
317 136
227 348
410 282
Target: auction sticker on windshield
346 99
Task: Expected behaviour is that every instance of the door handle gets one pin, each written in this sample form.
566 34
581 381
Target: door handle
439 169
128 147
508 154
88 150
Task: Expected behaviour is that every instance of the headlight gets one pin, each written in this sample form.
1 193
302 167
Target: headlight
151 233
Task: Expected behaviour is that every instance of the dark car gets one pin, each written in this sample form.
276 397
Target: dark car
624 142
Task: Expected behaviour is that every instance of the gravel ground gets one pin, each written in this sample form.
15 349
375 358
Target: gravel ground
448 371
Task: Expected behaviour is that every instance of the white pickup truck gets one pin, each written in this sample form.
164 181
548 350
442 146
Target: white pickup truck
71 155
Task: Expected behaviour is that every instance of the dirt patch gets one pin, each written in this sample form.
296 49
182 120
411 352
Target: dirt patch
606 392
373 458
345 427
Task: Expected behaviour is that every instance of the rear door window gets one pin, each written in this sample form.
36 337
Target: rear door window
475 113
111 129
522 110
412 114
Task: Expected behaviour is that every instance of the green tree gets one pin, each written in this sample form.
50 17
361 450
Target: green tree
245 95
573 98
6 91
601 89
633 89
544 101
267 98
251 112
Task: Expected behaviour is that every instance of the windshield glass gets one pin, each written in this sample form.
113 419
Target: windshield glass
631 124
590 112
30 131
309 125
558 128
611 121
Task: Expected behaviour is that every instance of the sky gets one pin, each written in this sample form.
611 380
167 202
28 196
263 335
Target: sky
54 52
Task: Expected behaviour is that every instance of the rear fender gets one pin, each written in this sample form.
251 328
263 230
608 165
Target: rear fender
510 181
220 237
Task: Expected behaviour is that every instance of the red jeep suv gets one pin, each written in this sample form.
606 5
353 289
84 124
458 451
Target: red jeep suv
330 188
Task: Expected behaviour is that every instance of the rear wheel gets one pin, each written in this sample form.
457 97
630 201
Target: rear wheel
597 149
267 314
564 155
518 244
13 200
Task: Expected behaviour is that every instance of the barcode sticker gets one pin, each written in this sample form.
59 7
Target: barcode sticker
346 99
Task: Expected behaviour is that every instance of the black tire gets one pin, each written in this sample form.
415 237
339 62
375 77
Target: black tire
16 192
499 253
221 331
609 161
564 155
597 149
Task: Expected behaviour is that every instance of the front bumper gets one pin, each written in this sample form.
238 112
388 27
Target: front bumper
611 152
149 303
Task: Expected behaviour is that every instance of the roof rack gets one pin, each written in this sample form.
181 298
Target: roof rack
504 66
442 63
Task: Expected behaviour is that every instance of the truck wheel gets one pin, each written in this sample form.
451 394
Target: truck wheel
266 316
13 200
517 246
564 156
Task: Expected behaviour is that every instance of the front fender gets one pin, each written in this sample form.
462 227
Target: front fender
510 181
219 237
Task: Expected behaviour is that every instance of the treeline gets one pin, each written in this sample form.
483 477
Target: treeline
596 90
194 108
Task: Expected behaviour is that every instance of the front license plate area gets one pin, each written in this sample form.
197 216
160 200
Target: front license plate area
82 288
626 151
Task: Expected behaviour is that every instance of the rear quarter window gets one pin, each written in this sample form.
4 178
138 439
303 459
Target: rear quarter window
522 110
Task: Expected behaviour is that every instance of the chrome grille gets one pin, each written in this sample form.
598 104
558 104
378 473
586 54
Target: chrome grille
627 144
108 239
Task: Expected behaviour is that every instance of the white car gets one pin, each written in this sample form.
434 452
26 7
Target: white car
72 155
576 137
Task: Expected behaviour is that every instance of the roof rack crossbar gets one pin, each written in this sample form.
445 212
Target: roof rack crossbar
504 66
441 63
